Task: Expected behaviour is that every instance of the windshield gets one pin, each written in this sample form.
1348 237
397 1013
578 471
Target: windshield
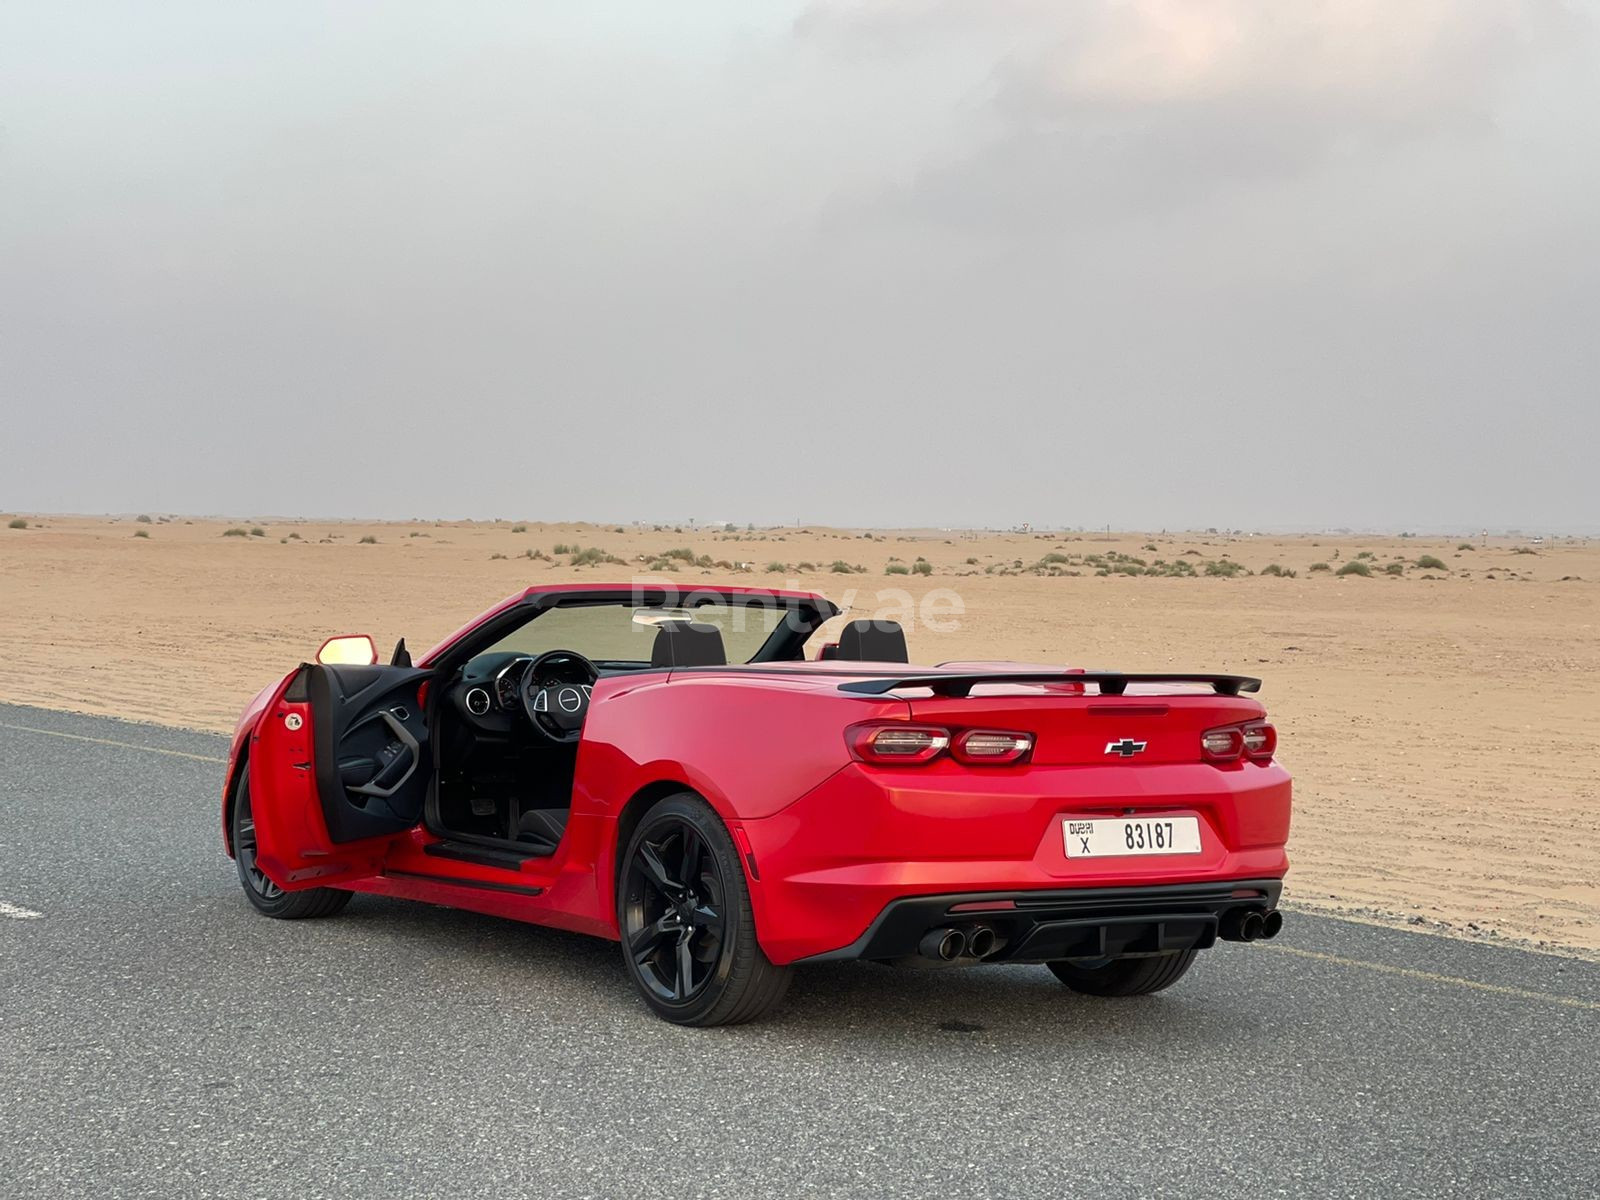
623 634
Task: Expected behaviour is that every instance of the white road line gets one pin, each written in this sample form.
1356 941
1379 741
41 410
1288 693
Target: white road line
17 913
1476 985
78 737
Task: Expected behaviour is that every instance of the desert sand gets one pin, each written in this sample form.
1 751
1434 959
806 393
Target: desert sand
1442 721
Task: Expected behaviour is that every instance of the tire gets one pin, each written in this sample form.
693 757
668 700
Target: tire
688 933
267 896
1125 976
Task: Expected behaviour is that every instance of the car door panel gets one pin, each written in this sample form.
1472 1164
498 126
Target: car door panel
309 835
374 761
293 847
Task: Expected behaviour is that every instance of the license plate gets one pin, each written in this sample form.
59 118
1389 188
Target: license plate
1120 837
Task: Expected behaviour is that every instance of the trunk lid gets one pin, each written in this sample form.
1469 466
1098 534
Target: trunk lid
1074 728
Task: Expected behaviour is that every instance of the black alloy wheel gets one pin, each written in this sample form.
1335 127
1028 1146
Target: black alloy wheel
683 906
676 925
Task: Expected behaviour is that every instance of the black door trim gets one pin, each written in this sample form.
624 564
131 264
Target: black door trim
483 856
479 884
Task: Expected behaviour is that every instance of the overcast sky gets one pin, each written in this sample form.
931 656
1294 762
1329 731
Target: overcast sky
1164 263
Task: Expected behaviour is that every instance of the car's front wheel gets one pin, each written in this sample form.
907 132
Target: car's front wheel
1124 976
688 934
267 896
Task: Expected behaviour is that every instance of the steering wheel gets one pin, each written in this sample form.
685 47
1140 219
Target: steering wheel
557 711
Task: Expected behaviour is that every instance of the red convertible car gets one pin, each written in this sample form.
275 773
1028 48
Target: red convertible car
666 768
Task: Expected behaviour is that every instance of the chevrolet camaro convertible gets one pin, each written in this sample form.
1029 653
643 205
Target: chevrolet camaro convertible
668 769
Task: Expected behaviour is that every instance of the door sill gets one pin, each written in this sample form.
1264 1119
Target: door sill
457 881
484 856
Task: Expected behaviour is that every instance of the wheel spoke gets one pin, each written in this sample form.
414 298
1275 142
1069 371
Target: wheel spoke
689 867
644 942
674 923
685 980
656 870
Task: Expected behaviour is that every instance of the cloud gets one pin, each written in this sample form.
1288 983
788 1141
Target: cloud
1110 106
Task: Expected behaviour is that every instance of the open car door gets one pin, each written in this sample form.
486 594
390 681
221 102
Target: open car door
373 761
340 762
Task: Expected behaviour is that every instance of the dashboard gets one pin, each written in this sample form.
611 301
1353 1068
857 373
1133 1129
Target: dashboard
489 692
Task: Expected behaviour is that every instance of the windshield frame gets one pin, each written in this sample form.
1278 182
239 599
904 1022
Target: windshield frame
804 615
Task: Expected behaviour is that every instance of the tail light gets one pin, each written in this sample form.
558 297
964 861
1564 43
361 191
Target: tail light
1260 740
1222 745
992 746
895 743
1255 740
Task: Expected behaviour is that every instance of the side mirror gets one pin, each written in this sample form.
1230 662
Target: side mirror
356 649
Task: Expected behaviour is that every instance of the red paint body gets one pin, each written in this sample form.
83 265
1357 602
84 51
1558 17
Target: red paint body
831 840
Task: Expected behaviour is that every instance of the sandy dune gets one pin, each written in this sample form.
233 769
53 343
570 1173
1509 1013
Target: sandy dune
1444 732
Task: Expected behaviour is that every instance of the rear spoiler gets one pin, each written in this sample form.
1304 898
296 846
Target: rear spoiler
1110 683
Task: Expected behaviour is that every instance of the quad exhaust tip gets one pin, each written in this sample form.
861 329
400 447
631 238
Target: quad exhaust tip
951 942
946 945
1249 925
981 942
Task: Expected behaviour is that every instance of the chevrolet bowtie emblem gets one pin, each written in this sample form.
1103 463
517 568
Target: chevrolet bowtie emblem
1126 748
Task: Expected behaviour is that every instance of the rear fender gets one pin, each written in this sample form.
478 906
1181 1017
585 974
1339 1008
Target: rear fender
660 779
608 852
748 749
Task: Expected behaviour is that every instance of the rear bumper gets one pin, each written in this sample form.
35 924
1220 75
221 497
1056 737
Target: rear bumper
1041 926
838 862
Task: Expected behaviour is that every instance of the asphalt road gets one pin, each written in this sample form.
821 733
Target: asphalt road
161 1039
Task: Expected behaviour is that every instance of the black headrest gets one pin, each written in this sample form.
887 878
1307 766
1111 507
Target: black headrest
873 641
687 644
